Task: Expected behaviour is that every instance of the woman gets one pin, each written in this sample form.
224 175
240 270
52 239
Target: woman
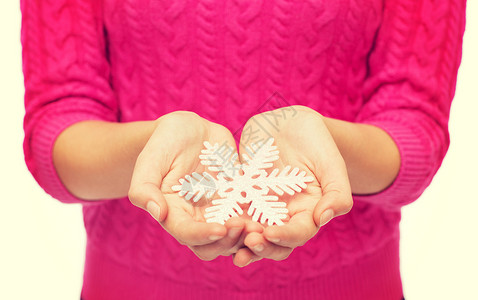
120 96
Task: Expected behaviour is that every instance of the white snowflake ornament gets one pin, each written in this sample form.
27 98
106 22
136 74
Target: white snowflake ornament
247 183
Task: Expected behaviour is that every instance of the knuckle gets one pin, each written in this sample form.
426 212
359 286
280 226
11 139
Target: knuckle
348 204
304 109
301 108
252 120
302 241
180 117
177 121
138 197
134 196
179 114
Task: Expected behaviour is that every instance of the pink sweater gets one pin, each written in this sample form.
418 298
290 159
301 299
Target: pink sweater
389 63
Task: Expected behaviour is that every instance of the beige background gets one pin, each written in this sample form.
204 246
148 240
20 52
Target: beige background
42 241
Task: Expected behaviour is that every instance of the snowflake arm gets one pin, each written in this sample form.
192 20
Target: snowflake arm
218 158
267 208
196 185
262 155
251 186
286 182
222 210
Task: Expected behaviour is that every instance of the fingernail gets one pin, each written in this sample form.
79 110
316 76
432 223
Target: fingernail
248 263
153 209
233 232
274 240
215 237
258 247
326 217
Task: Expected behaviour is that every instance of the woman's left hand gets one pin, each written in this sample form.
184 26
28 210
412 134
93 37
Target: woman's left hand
303 141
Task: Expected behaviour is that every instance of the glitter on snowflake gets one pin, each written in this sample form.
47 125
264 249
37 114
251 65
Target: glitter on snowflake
247 183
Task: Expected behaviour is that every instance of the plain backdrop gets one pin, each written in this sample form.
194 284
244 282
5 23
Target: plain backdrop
42 241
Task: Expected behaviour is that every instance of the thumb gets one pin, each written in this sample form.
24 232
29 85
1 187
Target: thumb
148 197
334 202
144 191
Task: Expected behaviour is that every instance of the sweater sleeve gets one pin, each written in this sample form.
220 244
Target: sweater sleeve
410 85
66 76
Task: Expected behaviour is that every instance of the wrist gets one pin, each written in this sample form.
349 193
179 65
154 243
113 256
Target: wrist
370 154
95 159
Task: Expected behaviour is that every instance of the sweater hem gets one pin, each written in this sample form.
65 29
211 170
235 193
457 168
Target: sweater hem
374 276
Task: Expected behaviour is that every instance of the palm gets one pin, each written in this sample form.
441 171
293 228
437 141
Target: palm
179 207
186 162
303 142
171 152
306 200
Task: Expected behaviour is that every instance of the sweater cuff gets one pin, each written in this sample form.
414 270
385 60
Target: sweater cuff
418 164
42 141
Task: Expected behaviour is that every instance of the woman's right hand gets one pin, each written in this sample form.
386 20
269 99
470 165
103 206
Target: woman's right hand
172 152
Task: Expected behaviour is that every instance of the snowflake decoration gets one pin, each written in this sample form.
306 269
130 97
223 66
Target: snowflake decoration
251 186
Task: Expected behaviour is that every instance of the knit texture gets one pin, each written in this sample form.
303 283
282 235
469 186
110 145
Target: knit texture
390 63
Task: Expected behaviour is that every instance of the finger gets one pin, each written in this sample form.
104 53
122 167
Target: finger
252 226
195 233
244 257
235 235
263 248
331 173
189 232
227 245
144 191
295 233
334 202
148 197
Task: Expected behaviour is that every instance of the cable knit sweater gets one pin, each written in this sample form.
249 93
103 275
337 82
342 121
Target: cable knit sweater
390 63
